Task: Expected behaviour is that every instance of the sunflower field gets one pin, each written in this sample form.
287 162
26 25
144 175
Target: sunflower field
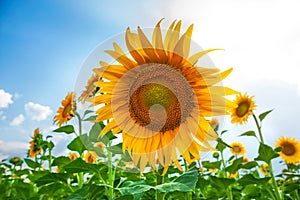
153 113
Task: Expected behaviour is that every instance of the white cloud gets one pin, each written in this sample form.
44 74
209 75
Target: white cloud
17 120
5 99
12 148
36 111
2 116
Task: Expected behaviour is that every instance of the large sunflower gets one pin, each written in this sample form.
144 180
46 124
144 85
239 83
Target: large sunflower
66 112
290 151
35 144
244 105
158 98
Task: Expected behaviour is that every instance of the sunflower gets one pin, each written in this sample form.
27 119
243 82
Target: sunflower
237 148
244 105
90 89
66 112
73 156
159 98
90 157
35 144
290 151
264 169
245 160
214 123
232 175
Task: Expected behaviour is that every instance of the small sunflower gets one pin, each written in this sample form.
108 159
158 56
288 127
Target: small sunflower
100 145
90 89
73 156
35 144
244 105
90 157
159 98
264 169
214 123
290 151
66 112
245 160
232 175
237 148
212 170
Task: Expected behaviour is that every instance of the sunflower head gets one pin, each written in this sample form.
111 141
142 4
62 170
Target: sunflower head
16 161
232 175
243 107
237 148
245 160
36 144
157 96
67 111
264 169
90 157
90 89
290 151
73 156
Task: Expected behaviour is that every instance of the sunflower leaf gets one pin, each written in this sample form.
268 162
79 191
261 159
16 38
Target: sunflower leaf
221 145
248 179
263 115
87 112
248 133
68 129
221 183
266 153
235 165
211 165
32 164
79 144
250 165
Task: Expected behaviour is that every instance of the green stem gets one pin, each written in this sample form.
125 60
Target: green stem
159 181
50 160
274 183
111 175
228 190
79 123
259 129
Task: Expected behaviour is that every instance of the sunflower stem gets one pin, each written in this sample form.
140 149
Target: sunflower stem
274 183
228 190
79 122
159 181
111 174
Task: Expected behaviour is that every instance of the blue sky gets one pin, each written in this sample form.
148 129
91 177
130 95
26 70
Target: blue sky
45 43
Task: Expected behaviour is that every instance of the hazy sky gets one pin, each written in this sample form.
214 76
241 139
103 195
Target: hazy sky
45 43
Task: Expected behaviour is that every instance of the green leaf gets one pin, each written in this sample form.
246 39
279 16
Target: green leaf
80 194
23 190
87 112
52 177
184 183
266 153
210 165
91 118
250 179
95 131
52 188
221 182
134 188
79 144
250 165
263 115
79 165
68 129
248 133
60 161
235 165
116 149
32 164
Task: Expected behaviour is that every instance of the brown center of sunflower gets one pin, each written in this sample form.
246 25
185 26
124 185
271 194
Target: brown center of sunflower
67 111
236 149
242 109
160 98
288 149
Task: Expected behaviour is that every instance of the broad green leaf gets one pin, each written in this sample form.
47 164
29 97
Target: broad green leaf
251 189
184 183
32 164
250 179
68 129
248 133
95 131
87 112
263 115
221 182
91 118
52 188
80 194
23 190
250 165
134 188
116 149
210 165
79 165
266 153
235 165
52 177
59 161
79 144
